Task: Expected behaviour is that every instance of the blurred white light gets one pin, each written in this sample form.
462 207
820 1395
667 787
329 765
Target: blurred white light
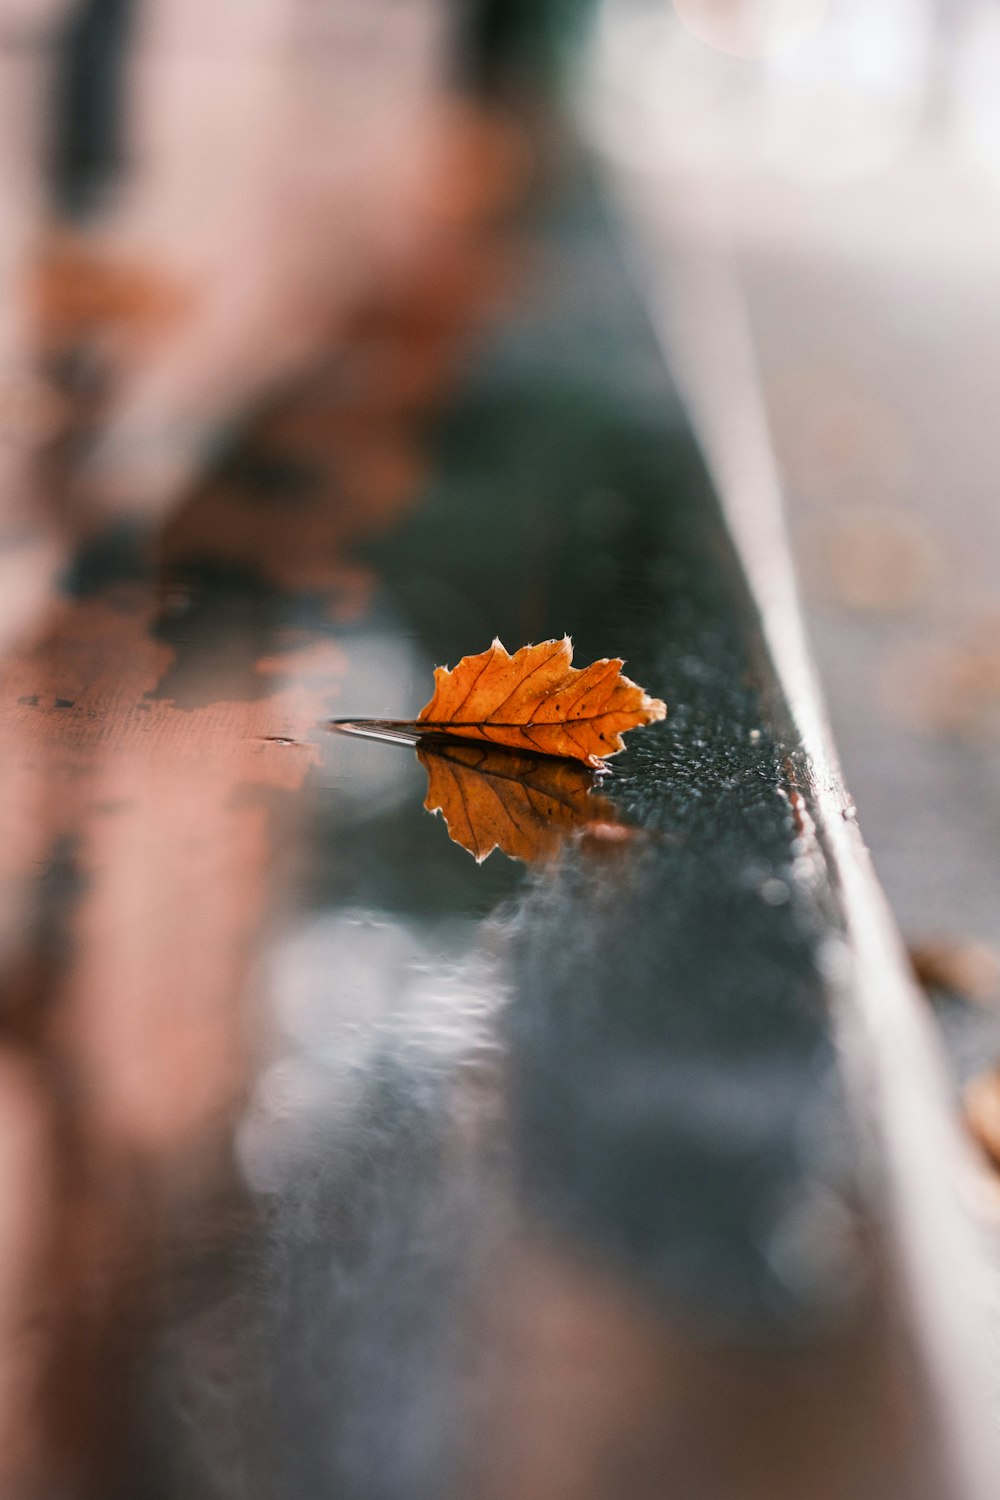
974 92
813 89
750 28
353 992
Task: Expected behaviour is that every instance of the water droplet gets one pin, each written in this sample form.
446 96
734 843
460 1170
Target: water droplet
775 892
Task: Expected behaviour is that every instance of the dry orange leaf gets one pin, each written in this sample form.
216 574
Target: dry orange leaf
521 804
537 701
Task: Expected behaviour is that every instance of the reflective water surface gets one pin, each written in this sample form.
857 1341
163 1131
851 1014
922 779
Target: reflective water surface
348 1164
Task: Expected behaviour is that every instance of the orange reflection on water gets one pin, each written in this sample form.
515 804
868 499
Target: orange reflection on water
147 839
524 805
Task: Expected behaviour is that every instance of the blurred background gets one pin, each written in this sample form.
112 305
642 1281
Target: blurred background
325 351
836 165
844 157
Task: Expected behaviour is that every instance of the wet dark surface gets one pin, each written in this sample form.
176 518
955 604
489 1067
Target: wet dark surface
664 993
610 1076
530 1178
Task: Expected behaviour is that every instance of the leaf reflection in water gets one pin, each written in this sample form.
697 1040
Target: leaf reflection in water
524 805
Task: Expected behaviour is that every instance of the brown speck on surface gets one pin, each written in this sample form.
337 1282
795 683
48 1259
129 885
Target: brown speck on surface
958 966
948 685
872 561
981 1104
